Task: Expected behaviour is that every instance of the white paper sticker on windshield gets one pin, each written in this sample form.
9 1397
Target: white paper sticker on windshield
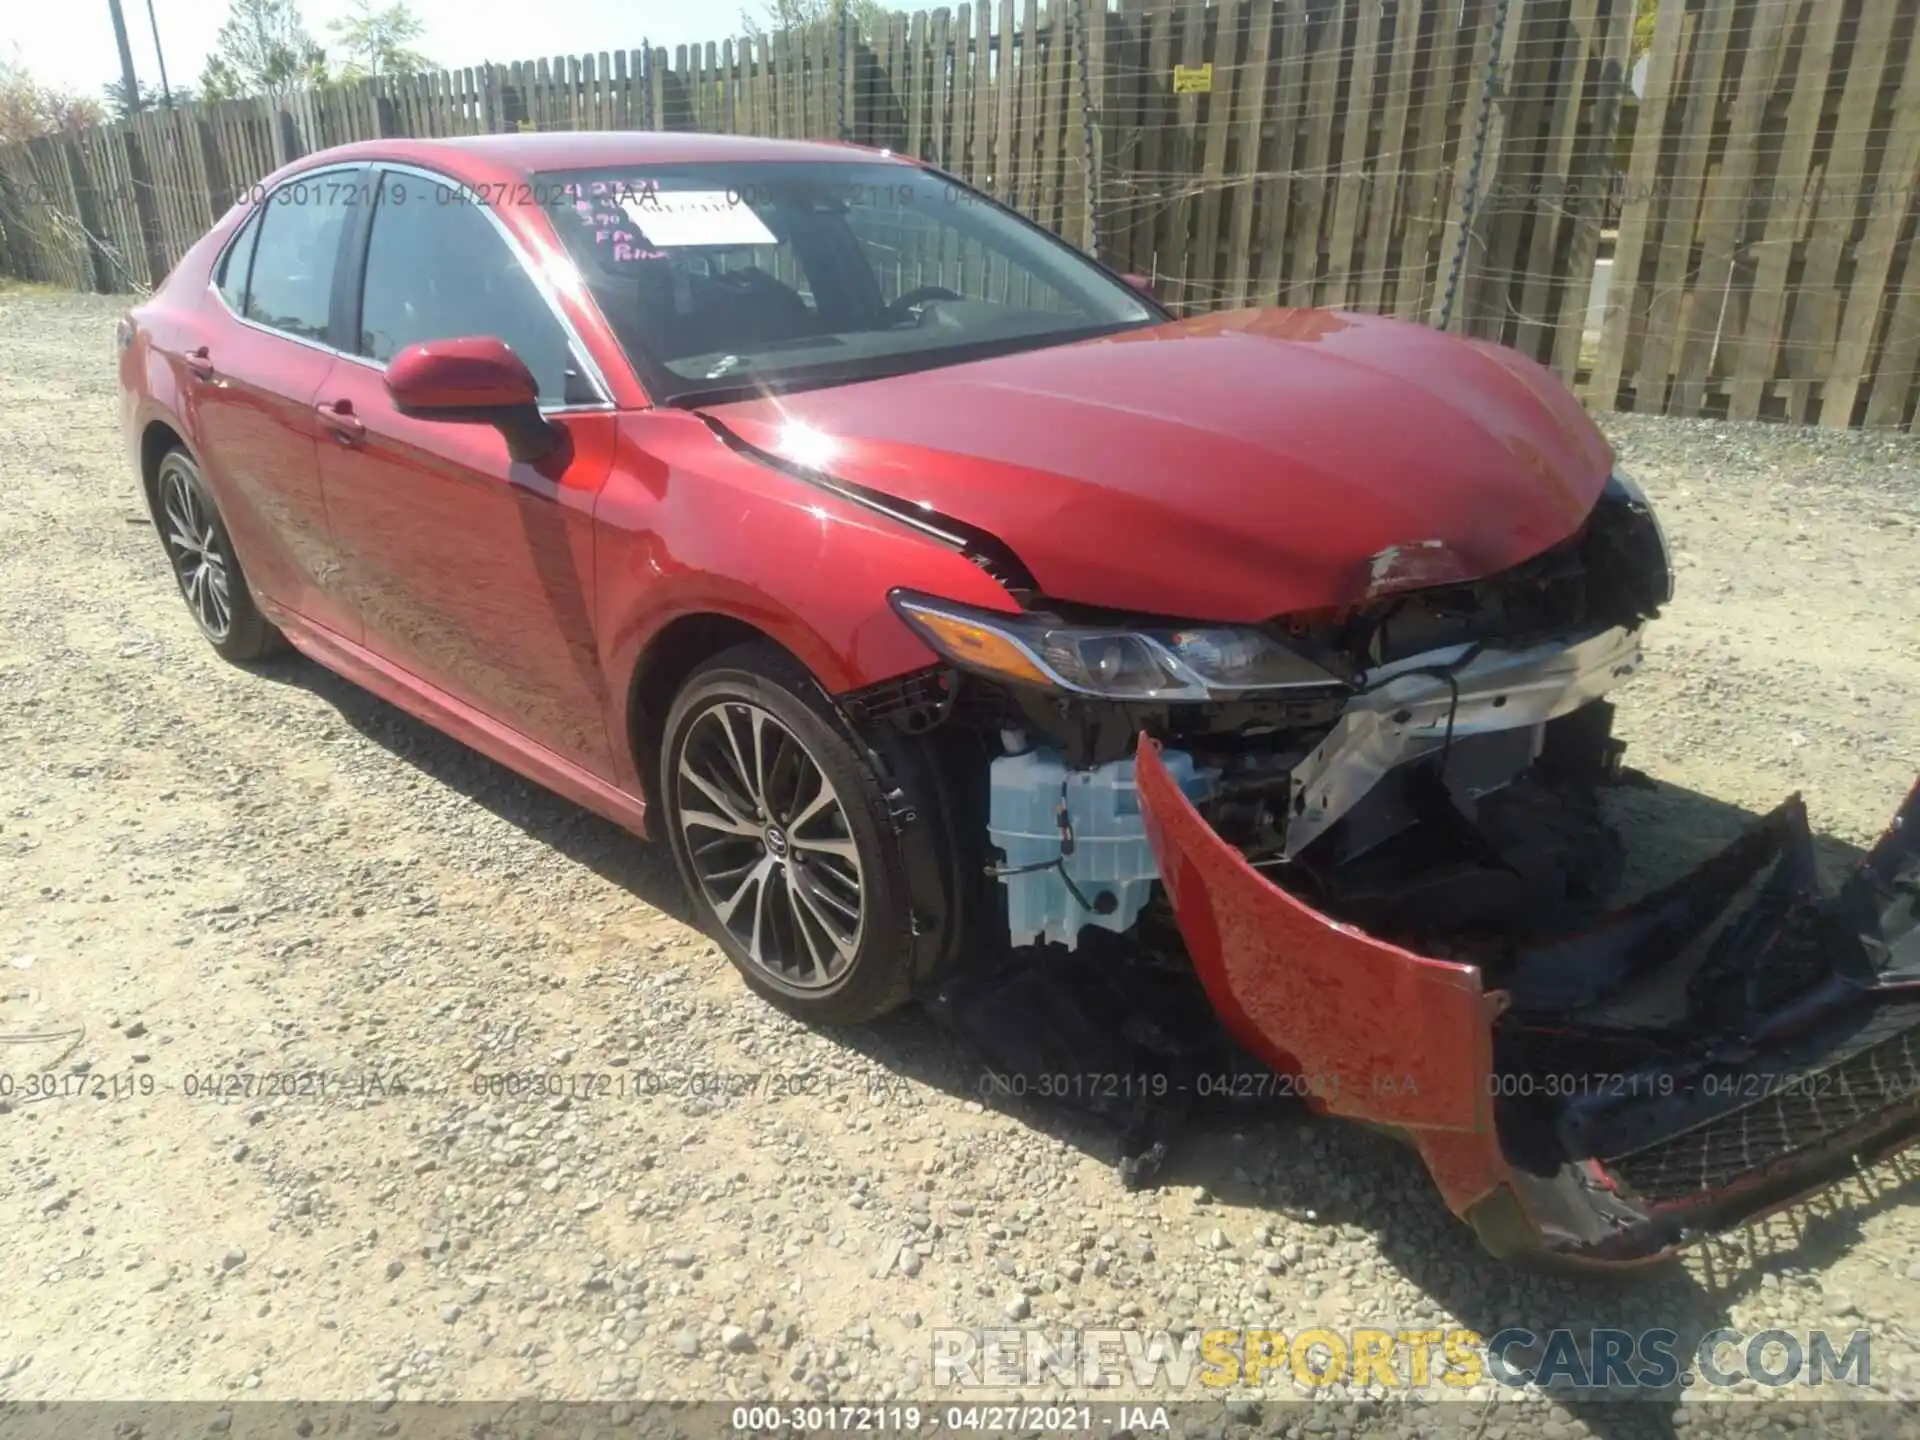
696 217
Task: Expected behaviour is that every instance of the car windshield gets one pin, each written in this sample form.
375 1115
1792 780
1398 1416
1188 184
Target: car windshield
723 279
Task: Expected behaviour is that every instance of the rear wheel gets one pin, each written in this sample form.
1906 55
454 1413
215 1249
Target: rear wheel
205 566
781 832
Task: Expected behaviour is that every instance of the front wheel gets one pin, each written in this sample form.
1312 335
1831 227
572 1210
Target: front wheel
781 833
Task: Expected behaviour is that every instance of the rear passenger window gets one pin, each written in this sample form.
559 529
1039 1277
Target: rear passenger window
300 227
437 269
231 277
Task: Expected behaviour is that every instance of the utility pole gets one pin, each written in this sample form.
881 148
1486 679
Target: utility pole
127 77
166 91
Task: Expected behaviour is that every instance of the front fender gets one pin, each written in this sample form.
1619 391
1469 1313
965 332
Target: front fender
688 526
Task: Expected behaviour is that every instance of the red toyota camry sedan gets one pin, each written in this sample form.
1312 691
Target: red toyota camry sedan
950 608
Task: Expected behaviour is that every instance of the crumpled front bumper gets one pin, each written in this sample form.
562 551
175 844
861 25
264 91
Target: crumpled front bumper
1423 1047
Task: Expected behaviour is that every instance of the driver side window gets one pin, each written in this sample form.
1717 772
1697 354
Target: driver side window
437 269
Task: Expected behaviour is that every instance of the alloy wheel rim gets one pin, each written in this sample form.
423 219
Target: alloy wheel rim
199 559
770 844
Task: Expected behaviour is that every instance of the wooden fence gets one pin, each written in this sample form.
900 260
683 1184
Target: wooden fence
1766 264
1447 160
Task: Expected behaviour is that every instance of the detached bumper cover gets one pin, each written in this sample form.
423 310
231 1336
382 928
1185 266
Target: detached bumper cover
1828 1074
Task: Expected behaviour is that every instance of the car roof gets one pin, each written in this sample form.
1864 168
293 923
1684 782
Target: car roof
531 151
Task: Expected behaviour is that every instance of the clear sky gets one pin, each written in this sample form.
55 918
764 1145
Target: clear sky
69 43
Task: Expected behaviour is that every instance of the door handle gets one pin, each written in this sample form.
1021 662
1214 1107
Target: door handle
198 364
338 417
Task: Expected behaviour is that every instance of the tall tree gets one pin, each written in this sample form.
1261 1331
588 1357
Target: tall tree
28 108
863 16
379 40
263 48
115 93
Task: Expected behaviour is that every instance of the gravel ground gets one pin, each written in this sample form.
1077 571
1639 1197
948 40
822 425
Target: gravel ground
207 871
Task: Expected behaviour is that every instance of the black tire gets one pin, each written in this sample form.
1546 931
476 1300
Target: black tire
719 698
204 564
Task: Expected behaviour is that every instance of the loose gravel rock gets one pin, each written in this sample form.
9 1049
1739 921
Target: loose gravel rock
385 1074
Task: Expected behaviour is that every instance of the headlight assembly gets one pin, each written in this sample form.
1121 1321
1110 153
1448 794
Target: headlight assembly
1643 541
1188 663
1626 490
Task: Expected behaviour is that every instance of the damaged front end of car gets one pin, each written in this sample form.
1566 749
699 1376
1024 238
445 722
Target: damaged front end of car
1687 1063
1374 835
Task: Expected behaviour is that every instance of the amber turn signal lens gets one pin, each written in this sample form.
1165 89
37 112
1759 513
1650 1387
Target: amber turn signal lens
966 643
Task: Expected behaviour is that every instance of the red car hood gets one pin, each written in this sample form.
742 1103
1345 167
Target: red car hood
1230 467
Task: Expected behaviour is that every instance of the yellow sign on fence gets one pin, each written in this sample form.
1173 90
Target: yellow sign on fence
1193 79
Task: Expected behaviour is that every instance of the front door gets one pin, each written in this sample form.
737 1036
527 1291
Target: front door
470 570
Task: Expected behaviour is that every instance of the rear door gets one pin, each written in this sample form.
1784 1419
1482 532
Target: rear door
470 570
250 389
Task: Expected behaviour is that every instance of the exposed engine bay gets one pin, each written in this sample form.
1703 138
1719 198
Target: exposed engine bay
1439 786
1433 819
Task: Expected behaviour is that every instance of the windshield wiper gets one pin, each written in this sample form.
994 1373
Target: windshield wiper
886 367
698 395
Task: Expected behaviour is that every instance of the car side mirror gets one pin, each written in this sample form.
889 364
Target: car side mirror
1142 283
475 378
